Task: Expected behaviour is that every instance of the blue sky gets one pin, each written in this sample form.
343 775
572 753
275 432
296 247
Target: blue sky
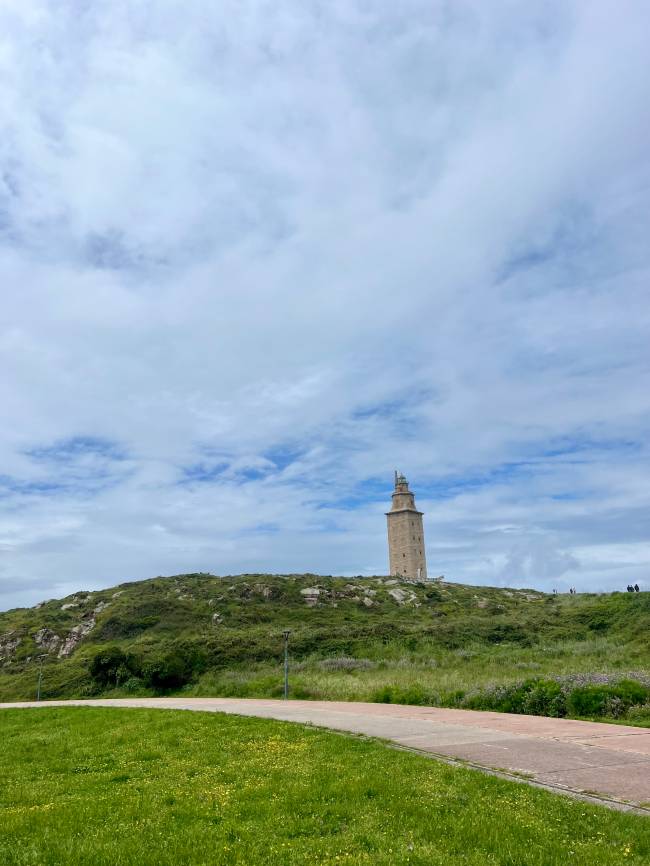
255 256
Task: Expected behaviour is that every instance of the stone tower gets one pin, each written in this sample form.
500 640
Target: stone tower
405 534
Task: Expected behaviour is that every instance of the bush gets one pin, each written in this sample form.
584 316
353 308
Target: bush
597 700
133 685
537 697
170 671
111 665
384 695
545 698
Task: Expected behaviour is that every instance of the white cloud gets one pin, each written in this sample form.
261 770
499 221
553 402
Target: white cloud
272 250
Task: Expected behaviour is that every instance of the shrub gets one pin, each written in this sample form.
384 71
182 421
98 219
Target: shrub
595 700
556 698
169 671
632 692
384 695
133 684
544 698
111 665
453 699
589 700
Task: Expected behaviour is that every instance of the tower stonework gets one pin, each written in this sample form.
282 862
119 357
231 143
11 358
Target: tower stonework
405 534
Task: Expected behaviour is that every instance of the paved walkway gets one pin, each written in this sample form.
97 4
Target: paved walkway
610 762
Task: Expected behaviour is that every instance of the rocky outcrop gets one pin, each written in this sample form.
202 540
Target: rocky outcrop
402 596
311 595
9 643
47 640
76 635
351 592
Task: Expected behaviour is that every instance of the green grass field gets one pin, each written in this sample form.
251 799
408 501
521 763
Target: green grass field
113 787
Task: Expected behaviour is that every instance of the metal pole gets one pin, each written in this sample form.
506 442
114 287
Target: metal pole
286 664
40 679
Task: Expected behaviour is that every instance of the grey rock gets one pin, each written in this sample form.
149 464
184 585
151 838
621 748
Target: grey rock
402 596
46 639
9 643
311 595
76 635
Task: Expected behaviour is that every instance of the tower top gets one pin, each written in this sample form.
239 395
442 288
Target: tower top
400 481
403 498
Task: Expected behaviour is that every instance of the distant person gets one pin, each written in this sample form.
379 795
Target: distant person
636 587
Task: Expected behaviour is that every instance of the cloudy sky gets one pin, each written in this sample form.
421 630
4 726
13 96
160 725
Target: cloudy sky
256 255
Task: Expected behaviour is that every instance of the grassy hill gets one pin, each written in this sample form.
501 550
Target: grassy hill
367 638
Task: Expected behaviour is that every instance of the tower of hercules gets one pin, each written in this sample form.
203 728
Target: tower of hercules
405 534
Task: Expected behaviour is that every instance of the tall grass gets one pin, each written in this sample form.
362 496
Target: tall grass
472 668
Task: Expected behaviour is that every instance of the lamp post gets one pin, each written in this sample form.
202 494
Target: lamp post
285 635
40 677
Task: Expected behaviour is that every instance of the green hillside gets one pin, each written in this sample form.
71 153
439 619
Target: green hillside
364 638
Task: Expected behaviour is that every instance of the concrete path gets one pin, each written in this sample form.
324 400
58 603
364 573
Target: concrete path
610 763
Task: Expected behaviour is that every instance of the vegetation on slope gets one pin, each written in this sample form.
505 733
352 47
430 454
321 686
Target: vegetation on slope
162 787
367 638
